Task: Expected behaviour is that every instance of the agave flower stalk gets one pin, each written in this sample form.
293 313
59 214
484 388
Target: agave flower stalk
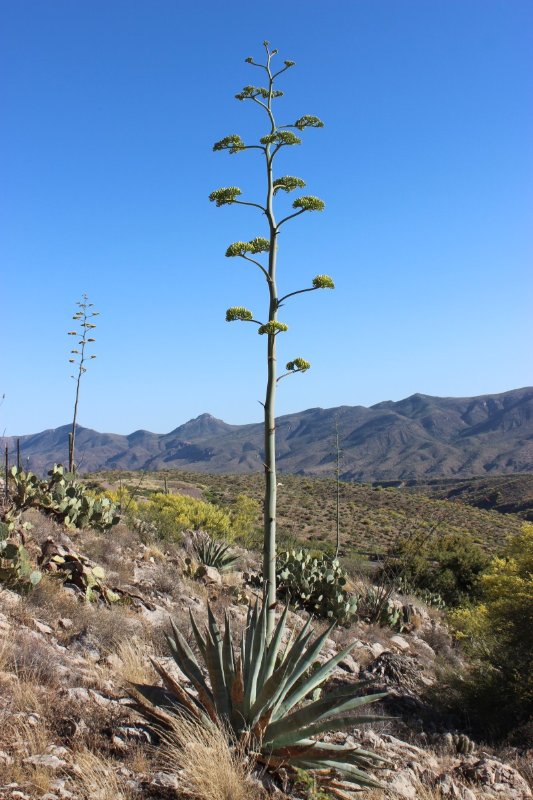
78 357
261 693
268 146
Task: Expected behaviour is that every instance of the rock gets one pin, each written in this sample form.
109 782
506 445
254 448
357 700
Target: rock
423 648
209 575
113 661
140 734
166 780
92 654
399 643
46 760
403 784
376 649
41 627
5 759
448 788
10 599
85 696
349 664
59 787
65 623
496 779
57 750
395 668
119 743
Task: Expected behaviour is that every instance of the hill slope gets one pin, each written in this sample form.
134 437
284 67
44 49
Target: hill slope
419 437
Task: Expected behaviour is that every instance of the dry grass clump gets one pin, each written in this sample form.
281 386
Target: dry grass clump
134 666
21 738
209 768
25 654
97 778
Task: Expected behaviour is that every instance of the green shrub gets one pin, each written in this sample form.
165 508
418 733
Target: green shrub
448 565
312 581
498 634
170 514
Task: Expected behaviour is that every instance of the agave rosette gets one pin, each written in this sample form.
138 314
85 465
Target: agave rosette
262 694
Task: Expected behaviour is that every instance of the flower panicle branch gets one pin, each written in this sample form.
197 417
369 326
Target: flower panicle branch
273 327
239 313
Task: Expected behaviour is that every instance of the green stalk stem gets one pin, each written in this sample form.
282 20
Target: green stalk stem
270 500
81 370
72 438
337 476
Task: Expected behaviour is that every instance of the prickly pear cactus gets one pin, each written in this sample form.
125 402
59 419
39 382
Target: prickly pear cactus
63 497
16 568
316 584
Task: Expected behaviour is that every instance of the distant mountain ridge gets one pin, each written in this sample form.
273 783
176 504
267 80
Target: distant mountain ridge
415 438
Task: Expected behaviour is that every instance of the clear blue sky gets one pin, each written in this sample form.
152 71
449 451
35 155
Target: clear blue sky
109 112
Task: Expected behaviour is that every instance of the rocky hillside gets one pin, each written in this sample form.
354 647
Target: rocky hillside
68 729
420 437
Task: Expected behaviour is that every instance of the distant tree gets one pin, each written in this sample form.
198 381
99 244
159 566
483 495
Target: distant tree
277 138
83 316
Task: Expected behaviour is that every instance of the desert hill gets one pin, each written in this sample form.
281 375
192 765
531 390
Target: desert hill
421 437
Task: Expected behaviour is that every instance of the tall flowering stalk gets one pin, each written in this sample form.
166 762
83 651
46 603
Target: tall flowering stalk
83 316
268 146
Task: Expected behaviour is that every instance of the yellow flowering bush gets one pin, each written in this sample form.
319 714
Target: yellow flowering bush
498 634
170 514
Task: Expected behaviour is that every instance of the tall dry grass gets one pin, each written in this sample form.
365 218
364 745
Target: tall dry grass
209 767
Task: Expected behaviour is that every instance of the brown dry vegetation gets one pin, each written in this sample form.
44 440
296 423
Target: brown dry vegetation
371 517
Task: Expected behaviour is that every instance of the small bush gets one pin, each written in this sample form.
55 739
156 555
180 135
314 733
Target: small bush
447 565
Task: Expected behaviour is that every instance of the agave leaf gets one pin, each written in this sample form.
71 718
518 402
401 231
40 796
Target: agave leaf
184 658
200 641
308 658
215 667
327 706
338 724
313 680
151 702
339 792
237 696
351 774
228 657
274 646
258 647
270 692
251 622
185 699
261 725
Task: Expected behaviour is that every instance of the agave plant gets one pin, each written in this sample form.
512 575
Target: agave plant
214 554
261 695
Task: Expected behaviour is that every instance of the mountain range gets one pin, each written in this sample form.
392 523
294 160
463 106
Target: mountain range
421 437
